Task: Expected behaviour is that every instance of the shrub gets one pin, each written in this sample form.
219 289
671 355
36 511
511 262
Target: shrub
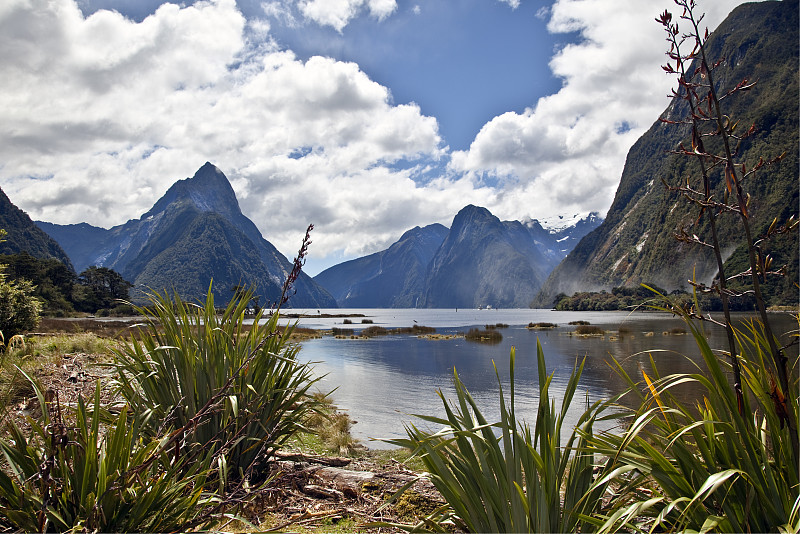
19 309
193 359
81 477
519 481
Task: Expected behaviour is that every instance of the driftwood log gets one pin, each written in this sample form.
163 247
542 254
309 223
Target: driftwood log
348 482
333 461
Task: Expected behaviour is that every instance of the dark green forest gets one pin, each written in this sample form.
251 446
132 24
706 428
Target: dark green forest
96 290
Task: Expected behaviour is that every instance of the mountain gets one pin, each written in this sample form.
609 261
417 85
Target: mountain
635 244
79 240
24 235
392 278
557 236
484 261
479 261
195 233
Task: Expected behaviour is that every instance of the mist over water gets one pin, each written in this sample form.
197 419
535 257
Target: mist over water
381 381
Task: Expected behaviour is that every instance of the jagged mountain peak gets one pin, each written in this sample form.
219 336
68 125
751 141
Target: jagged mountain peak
558 223
419 230
209 190
469 220
480 260
472 213
195 233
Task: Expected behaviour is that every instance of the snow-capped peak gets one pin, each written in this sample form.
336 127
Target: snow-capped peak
557 223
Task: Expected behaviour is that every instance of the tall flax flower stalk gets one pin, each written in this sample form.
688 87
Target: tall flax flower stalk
297 267
696 86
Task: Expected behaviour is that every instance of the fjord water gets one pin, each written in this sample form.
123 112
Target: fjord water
381 381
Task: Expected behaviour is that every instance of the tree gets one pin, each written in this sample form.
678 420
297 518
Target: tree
100 287
19 309
53 280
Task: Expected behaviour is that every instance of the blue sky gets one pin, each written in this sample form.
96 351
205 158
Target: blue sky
365 117
463 62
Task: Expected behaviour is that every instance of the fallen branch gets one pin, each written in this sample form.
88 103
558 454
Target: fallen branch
333 461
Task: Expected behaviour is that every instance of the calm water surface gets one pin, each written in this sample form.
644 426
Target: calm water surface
382 381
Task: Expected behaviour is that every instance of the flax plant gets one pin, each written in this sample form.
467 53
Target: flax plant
245 376
505 477
712 468
89 476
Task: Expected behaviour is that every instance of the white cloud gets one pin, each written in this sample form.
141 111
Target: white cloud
338 13
567 151
100 115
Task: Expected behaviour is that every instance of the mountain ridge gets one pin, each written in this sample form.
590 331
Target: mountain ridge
194 233
478 261
24 235
635 244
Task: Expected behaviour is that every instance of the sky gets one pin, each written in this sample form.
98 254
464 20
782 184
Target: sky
363 117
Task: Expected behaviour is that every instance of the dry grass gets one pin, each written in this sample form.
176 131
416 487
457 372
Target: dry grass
589 330
541 326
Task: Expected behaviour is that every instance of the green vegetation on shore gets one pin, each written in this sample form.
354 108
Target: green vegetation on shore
61 292
641 297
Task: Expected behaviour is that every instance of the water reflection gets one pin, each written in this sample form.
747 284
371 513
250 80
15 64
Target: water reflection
381 381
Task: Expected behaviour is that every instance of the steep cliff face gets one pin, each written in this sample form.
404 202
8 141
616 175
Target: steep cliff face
391 278
484 261
194 234
636 244
23 235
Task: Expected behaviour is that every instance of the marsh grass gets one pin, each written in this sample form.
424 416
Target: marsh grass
327 430
542 326
490 336
589 330
373 331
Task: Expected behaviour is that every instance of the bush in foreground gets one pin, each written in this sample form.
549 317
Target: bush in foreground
87 477
501 477
246 377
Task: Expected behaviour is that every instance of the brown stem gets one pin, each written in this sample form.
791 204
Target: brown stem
779 359
723 280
